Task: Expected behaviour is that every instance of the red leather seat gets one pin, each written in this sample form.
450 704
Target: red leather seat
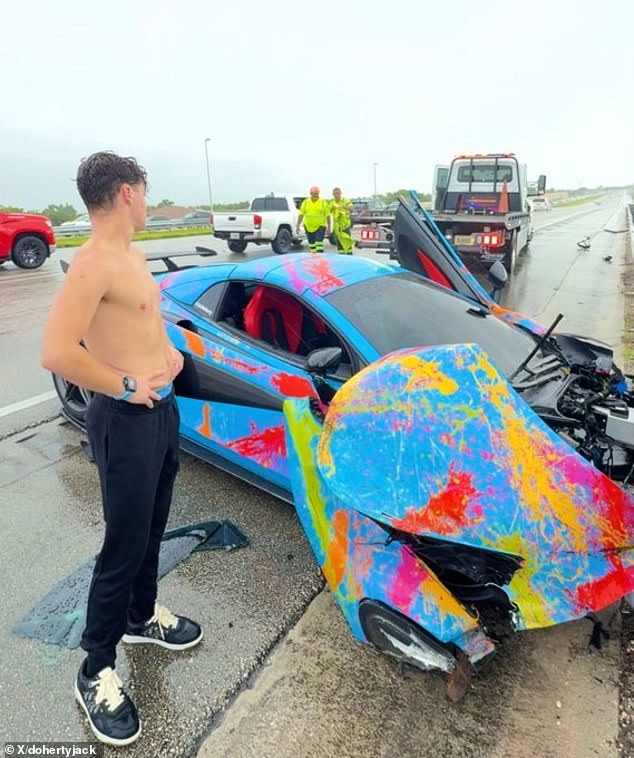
274 316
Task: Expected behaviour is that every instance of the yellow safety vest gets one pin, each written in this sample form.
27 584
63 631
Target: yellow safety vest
341 212
315 213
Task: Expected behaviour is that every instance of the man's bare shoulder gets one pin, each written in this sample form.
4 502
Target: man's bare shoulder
92 256
138 253
93 267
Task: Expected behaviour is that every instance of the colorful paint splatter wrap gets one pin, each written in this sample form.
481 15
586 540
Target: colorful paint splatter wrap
254 438
436 443
357 560
432 442
250 437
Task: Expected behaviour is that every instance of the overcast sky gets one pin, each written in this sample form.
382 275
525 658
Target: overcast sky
299 93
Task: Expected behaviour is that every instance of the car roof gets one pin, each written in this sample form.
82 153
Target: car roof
297 272
320 273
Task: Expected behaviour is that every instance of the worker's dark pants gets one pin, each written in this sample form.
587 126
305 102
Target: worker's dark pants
136 450
316 239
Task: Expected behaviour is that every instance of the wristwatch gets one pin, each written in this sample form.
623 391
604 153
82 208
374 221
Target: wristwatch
129 388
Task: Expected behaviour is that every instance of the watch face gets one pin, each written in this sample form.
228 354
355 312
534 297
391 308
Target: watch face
129 384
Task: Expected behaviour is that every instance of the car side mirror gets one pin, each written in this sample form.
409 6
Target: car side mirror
323 360
318 363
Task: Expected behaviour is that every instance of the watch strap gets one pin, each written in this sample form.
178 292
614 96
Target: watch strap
129 388
125 395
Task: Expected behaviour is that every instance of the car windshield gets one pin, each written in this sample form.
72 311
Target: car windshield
402 310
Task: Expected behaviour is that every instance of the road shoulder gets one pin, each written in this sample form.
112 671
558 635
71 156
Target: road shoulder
545 693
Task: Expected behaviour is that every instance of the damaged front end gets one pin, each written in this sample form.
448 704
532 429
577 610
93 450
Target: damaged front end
576 388
476 577
437 500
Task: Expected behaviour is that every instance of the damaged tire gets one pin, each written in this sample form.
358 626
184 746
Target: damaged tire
399 637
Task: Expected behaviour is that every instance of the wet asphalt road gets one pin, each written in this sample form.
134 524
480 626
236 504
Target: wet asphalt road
316 693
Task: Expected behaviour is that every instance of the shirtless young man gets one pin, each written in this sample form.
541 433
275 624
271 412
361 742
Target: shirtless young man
110 302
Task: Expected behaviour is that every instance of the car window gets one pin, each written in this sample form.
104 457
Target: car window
403 310
269 204
279 321
207 303
484 173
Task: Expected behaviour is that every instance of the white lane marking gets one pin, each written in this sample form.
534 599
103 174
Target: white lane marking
24 404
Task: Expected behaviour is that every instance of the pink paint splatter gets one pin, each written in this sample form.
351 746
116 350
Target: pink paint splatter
406 585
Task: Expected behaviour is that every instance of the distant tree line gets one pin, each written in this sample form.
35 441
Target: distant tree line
392 197
57 213
66 212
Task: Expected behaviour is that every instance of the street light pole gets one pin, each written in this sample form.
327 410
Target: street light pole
374 166
211 206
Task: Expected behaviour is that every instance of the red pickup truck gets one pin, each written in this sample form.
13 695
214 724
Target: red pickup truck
25 238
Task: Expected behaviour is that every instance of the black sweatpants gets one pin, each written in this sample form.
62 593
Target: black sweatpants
136 450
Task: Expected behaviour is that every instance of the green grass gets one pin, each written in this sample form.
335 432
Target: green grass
79 239
579 201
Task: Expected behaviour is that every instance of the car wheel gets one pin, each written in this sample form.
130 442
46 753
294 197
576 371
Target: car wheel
283 242
74 399
237 247
401 638
29 251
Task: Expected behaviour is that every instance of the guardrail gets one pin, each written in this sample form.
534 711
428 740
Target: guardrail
66 231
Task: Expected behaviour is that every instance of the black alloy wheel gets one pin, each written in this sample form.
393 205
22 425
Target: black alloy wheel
29 251
74 399
283 242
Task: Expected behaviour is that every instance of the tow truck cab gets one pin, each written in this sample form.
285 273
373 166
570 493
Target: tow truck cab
480 202
475 184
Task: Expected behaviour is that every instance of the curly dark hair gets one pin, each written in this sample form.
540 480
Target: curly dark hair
100 176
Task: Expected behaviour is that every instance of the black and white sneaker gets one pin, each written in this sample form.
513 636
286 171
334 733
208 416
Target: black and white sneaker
165 629
111 713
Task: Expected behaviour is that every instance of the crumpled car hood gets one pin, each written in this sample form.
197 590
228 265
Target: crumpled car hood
435 442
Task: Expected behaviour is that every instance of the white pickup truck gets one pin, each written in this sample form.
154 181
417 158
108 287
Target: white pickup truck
270 219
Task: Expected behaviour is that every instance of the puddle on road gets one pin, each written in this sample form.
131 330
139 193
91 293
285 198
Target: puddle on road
60 617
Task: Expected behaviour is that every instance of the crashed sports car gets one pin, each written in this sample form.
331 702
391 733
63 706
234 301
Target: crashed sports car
453 464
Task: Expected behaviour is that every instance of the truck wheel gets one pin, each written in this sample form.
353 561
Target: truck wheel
237 247
29 252
283 242
510 259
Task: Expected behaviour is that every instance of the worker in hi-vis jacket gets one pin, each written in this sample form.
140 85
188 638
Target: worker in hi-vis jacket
315 213
341 210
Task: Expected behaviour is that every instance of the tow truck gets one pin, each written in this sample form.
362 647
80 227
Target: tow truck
480 204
